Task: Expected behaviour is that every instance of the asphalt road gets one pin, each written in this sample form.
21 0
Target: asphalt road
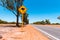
52 32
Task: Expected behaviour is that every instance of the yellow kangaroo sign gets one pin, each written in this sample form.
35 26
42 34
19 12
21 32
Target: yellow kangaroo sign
22 9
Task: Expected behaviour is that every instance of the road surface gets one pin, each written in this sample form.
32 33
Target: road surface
52 32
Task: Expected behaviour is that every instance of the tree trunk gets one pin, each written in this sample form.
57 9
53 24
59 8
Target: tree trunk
17 20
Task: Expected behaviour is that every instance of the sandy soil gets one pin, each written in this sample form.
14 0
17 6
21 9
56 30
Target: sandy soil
14 33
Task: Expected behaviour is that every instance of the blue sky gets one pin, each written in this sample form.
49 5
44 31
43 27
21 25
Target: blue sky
37 9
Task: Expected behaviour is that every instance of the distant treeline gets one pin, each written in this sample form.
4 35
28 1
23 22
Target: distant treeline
43 22
5 22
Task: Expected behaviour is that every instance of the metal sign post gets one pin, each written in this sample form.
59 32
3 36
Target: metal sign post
22 23
22 10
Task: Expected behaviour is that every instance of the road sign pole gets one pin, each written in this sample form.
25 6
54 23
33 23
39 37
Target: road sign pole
22 9
22 23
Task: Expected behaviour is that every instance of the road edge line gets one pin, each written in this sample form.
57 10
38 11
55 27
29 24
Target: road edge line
49 35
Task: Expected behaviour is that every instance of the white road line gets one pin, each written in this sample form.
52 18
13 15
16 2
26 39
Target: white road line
49 35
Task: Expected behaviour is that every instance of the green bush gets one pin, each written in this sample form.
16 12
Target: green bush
47 21
1 22
42 22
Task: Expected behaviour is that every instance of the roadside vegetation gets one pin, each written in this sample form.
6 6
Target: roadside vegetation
5 22
46 21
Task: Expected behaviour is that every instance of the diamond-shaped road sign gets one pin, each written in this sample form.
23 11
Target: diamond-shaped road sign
22 9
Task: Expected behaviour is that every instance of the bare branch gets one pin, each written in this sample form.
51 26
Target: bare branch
13 12
9 10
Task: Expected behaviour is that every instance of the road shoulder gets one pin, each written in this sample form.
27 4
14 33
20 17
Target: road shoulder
35 34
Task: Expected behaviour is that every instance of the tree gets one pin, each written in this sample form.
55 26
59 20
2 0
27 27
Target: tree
47 21
42 22
56 23
39 22
25 18
13 6
58 17
11 22
3 22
